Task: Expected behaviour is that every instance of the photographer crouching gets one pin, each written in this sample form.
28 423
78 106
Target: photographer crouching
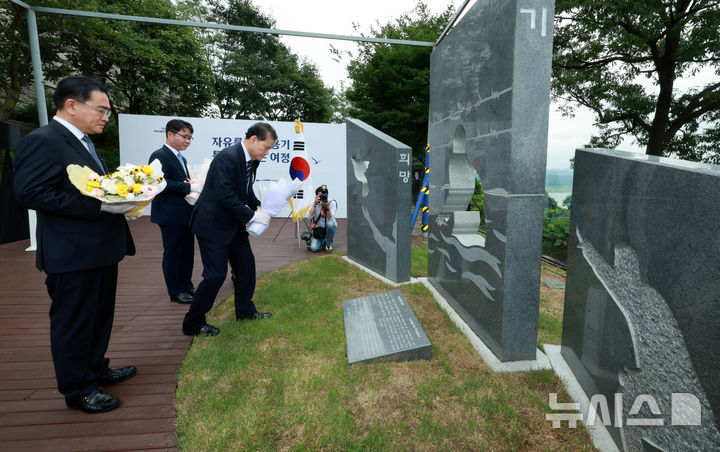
324 223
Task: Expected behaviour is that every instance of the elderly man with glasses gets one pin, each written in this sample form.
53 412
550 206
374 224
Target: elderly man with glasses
80 242
171 212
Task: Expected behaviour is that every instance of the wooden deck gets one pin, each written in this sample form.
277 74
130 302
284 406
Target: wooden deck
147 333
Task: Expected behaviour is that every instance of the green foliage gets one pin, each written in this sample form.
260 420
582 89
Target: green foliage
390 87
622 60
556 229
477 202
255 76
550 202
149 68
16 73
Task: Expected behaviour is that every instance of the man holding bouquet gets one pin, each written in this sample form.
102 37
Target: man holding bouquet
171 212
227 204
80 241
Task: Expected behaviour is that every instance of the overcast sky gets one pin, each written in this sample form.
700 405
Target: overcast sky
337 17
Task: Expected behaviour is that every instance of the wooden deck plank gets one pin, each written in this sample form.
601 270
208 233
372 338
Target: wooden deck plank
147 333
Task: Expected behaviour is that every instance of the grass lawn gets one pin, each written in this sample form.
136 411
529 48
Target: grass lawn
284 383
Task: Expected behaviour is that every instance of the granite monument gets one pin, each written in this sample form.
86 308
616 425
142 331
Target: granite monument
489 104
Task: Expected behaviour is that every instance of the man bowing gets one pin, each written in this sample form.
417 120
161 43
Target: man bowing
226 205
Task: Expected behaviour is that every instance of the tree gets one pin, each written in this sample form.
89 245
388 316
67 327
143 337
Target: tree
623 59
256 76
390 84
150 68
16 73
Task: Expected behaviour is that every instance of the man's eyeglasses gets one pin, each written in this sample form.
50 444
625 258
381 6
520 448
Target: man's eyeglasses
187 137
102 110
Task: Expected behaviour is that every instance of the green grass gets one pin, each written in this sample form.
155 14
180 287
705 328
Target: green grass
418 260
284 383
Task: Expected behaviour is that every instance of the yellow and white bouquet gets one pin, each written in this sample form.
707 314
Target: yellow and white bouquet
138 184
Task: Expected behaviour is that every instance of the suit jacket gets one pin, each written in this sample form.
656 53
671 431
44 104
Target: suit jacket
225 204
169 208
72 233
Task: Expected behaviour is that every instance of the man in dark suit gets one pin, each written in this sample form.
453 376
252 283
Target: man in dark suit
172 213
79 242
226 205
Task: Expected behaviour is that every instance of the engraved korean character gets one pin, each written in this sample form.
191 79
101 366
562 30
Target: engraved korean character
557 418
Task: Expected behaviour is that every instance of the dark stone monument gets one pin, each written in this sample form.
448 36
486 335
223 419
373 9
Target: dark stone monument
382 327
489 104
643 296
379 201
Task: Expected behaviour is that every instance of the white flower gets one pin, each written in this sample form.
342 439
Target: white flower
109 186
129 196
129 180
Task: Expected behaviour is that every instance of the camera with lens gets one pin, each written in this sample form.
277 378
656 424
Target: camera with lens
323 193
306 236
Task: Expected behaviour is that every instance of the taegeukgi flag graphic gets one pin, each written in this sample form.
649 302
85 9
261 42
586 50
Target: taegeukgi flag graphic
301 202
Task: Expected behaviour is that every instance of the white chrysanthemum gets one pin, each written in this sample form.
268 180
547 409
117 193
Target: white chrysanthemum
109 186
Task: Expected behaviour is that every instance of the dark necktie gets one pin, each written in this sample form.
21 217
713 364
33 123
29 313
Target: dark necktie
248 175
93 152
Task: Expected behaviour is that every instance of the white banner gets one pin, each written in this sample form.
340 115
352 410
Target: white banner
140 135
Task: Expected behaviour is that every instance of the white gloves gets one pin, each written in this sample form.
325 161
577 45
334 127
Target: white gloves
117 208
261 217
196 188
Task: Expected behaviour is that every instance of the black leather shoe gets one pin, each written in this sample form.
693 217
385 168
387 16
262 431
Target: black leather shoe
113 376
256 315
190 292
98 401
206 330
182 298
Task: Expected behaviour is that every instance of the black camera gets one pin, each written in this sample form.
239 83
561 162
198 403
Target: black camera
306 236
323 193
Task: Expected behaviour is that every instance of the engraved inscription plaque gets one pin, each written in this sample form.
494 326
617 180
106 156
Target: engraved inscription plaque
382 327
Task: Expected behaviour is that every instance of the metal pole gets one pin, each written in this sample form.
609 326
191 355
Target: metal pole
426 195
37 68
451 23
186 23
41 108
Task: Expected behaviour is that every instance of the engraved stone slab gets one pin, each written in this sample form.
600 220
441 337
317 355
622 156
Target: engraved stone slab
489 102
382 327
643 294
379 199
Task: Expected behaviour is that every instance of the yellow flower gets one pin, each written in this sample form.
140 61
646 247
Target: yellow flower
136 188
147 170
93 184
122 189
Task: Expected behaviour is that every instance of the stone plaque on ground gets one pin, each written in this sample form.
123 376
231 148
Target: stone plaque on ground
382 327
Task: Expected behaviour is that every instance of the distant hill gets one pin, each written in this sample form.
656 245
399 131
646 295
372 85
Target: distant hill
559 180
